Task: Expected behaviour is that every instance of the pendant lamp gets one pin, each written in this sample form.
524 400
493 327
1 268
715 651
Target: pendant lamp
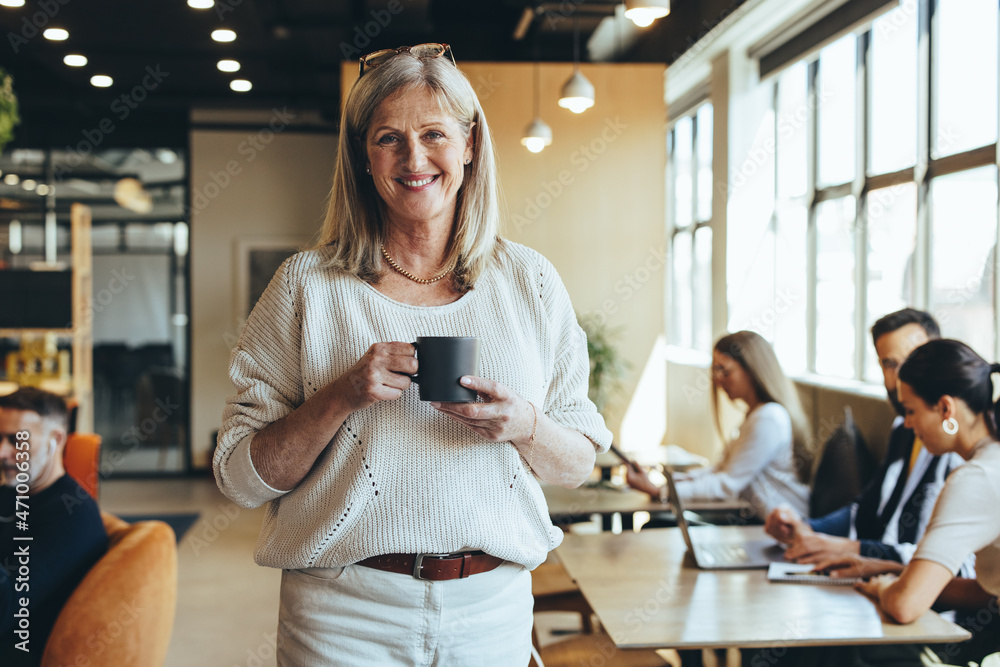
538 134
644 12
578 92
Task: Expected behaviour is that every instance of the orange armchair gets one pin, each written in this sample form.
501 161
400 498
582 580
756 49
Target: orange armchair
82 460
122 613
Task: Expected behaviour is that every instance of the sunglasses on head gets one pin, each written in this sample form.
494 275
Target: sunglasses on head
433 50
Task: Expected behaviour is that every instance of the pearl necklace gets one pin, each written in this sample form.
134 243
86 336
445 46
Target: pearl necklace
407 274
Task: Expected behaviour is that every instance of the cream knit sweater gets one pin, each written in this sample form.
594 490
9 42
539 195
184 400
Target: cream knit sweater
399 477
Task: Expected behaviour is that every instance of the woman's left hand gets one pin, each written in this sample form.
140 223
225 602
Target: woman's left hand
873 587
503 415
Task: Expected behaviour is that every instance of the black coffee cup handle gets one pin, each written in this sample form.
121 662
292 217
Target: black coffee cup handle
415 377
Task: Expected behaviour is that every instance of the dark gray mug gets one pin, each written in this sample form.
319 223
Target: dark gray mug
443 360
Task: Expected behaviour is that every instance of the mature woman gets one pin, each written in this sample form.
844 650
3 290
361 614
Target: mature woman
769 462
947 391
406 529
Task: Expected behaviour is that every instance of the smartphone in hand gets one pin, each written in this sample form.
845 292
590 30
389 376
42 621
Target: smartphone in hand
624 459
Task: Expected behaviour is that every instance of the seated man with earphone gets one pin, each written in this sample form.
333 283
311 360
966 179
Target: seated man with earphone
38 500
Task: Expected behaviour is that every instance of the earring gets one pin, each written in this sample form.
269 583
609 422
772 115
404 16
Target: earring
950 426
468 161
368 170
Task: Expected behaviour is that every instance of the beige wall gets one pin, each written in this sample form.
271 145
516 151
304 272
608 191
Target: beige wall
603 225
272 190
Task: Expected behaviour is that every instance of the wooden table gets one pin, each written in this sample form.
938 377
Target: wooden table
649 594
565 504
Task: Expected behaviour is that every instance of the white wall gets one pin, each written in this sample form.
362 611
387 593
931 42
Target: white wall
245 183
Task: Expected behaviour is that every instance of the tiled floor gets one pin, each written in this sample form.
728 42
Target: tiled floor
227 606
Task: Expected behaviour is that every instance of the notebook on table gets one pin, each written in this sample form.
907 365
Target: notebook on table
712 551
801 573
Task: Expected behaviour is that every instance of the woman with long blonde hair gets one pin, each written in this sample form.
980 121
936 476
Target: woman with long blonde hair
769 462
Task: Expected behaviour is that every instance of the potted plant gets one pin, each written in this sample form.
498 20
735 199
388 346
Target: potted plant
8 108
607 367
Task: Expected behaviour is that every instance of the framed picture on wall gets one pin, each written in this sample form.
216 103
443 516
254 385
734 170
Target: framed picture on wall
257 259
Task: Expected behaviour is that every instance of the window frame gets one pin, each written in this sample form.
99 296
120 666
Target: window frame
673 229
922 174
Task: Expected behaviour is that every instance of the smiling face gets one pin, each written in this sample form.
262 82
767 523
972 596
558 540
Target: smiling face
417 153
733 378
925 420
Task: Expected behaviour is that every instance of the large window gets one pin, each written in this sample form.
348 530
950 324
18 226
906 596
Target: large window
881 200
690 231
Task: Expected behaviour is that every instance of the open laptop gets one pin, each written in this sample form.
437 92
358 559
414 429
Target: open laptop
715 549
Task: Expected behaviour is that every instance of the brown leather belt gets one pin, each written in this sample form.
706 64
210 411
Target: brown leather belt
435 567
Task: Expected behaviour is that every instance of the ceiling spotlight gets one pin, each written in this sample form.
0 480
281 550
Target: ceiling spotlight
644 12
228 66
43 189
12 3
240 85
11 179
166 156
75 60
55 34
101 81
29 184
223 35
201 4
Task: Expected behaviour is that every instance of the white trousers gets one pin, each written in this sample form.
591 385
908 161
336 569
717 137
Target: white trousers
357 616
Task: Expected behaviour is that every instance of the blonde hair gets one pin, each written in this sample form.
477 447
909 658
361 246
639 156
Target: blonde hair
757 358
355 225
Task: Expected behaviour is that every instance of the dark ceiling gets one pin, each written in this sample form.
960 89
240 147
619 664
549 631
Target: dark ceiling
290 50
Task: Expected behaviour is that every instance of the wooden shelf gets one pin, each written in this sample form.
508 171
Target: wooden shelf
17 333
81 386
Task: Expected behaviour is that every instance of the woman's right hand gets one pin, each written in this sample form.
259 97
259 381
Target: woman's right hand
638 479
382 374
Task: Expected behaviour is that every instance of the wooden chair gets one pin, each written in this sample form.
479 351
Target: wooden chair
82 460
554 590
582 649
